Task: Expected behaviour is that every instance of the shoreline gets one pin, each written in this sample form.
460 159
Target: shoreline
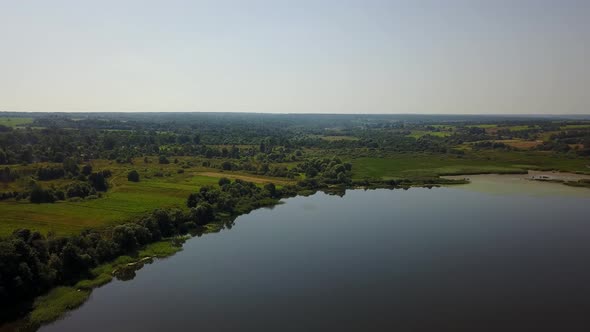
532 175
136 261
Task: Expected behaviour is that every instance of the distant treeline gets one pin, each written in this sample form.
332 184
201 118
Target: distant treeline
266 138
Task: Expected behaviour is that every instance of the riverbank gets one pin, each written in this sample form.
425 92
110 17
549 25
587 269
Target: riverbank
60 300
64 298
311 260
537 183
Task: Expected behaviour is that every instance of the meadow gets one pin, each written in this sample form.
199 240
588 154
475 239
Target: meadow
415 165
14 122
161 186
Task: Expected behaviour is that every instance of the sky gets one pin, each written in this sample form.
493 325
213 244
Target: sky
299 56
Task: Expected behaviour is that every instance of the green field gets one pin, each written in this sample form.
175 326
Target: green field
511 128
578 126
483 126
339 138
13 122
420 133
123 201
521 128
428 165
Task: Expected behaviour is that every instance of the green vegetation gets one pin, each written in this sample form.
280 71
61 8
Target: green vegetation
576 126
159 249
49 307
429 165
14 122
94 197
420 133
585 183
339 138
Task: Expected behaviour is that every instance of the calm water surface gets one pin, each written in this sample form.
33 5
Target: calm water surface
444 259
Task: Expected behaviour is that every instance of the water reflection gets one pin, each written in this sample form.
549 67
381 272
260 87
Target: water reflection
446 259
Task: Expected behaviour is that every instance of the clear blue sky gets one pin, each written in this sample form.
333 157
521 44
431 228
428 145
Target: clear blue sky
473 56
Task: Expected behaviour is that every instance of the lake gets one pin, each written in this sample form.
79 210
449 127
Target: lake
443 259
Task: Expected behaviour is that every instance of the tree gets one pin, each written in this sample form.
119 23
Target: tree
224 181
79 189
27 155
225 202
226 166
40 195
98 181
193 200
197 139
124 237
74 263
202 214
133 176
71 166
87 169
271 188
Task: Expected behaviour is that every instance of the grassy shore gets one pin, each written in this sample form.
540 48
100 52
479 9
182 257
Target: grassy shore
60 300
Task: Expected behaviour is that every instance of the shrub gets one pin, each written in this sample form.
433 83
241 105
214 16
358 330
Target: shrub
87 170
133 176
98 181
224 181
79 189
163 160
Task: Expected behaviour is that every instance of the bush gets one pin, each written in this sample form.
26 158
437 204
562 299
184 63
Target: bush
50 173
224 181
87 170
40 195
79 189
98 181
163 160
133 176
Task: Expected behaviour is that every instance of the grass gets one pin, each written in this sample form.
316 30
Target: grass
427 165
578 126
485 126
339 138
14 122
159 249
89 284
51 306
495 126
519 143
124 201
521 128
420 133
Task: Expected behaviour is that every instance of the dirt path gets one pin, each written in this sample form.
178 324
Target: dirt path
250 178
